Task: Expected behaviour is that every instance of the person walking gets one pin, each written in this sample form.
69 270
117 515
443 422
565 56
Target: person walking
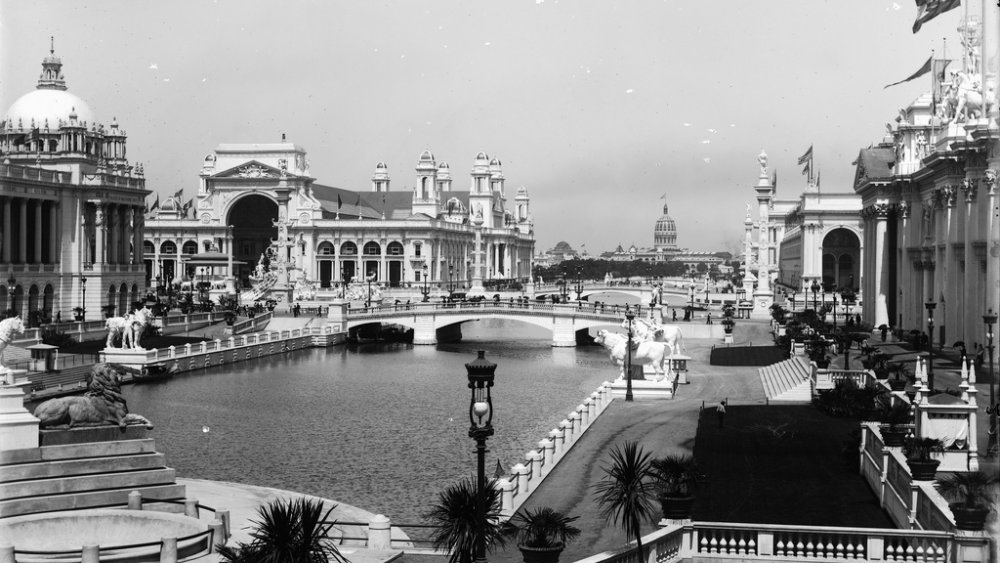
673 313
720 413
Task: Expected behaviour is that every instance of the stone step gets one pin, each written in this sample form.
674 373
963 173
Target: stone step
86 483
785 377
78 451
90 499
79 467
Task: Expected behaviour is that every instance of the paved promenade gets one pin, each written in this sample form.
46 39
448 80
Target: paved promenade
662 427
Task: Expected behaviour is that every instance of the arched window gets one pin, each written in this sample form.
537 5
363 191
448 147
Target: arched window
190 247
168 247
394 249
348 249
123 304
47 300
372 249
148 248
325 249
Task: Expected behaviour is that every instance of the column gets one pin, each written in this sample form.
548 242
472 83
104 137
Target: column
969 320
23 233
54 242
7 202
37 234
992 228
881 265
100 231
951 304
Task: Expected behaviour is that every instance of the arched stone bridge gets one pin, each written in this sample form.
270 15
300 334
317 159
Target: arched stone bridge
427 319
643 292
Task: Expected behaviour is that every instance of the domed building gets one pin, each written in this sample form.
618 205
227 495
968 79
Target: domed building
71 207
664 244
665 233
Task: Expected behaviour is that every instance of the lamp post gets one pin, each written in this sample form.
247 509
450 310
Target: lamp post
579 282
11 282
815 289
426 290
368 298
561 282
990 319
83 298
451 280
480 373
834 298
629 316
930 305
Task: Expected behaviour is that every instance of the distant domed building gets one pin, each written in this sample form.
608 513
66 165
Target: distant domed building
71 207
665 233
664 244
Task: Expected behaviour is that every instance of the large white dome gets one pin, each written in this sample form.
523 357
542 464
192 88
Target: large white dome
50 104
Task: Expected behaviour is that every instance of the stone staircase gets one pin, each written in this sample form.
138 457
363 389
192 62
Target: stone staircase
788 381
84 475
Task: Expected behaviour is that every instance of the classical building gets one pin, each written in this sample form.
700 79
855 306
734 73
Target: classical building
261 198
71 206
814 237
664 244
929 197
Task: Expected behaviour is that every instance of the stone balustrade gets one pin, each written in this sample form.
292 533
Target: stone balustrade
525 477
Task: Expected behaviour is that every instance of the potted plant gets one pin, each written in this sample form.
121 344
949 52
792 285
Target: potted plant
541 534
893 415
674 477
108 310
817 353
78 313
287 530
919 452
459 524
971 496
626 491
898 380
727 324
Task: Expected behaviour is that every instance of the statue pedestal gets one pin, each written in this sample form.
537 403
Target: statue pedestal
762 301
645 388
18 428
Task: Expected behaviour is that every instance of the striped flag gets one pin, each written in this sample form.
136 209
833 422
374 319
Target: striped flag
807 156
920 72
930 9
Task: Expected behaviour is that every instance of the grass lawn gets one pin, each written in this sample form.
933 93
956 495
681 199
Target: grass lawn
781 465
747 355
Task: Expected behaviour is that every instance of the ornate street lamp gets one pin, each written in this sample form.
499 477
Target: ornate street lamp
834 298
83 298
579 282
426 290
629 316
815 287
480 373
451 280
368 298
930 305
990 319
11 283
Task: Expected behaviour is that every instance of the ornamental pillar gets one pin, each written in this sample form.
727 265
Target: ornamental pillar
54 242
37 233
881 263
100 232
6 202
23 233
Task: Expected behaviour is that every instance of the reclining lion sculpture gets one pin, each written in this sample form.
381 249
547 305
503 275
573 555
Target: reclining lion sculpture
102 403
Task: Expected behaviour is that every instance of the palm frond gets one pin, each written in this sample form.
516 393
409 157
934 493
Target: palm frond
626 493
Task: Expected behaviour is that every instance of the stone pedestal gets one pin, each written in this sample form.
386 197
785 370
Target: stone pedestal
646 388
18 428
762 301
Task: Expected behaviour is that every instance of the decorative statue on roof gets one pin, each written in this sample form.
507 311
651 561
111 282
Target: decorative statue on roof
762 160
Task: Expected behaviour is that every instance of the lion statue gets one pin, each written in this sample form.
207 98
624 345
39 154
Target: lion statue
102 403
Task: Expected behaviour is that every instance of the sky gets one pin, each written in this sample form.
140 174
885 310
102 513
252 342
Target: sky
598 108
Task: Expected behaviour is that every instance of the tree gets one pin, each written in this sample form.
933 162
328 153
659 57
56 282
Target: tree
701 267
463 515
287 531
627 491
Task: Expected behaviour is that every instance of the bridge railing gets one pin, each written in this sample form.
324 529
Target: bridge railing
579 310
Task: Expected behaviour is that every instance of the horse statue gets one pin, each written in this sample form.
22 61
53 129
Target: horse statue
129 327
964 98
649 331
644 352
102 403
8 328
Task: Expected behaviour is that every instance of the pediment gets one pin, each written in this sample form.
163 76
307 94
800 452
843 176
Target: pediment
250 170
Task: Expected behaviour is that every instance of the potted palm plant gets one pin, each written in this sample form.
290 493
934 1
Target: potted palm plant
541 534
287 530
919 456
893 415
626 492
463 516
78 313
971 495
675 476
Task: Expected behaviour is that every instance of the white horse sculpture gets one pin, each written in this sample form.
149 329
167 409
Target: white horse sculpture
668 334
646 352
130 327
8 328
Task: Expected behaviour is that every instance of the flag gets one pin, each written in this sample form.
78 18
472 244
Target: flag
920 72
663 197
178 195
808 169
774 182
156 204
339 202
187 206
807 156
938 78
930 9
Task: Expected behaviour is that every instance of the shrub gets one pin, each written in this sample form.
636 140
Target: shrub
54 337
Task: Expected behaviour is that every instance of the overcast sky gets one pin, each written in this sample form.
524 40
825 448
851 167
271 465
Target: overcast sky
597 108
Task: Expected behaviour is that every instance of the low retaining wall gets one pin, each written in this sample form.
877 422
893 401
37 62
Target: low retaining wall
526 477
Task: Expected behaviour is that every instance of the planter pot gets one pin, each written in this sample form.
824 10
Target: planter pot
893 438
923 469
897 384
676 508
823 364
973 519
540 554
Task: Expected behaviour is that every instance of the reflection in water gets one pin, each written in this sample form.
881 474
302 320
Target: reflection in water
380 426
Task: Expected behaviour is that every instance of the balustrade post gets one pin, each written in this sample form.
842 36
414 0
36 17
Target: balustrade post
765 543
567 427
7 553
168 550
191 509
606 392
223 516
135 500
506 496
218 535
520 472
171 351
534 457
545 446
556 435
597 407
875 548
584 413
90 553
379 533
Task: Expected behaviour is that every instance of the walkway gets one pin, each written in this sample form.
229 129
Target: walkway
660 426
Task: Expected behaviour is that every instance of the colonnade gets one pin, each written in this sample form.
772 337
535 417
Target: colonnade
30 232
113 233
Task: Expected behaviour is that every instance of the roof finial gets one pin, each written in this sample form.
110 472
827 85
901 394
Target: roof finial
282 137
52 44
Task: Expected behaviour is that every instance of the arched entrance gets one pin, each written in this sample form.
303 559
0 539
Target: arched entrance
841 256
252 218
